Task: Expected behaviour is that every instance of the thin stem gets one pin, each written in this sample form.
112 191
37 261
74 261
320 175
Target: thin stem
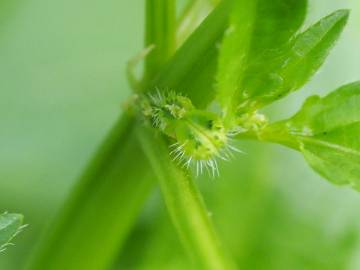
185 205
273 133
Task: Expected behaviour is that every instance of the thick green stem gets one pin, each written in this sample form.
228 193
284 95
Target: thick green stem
192 69
185 205
97 218
95 221
191 17
160 33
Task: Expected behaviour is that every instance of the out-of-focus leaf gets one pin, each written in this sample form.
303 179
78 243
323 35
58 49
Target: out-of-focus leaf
10 226
293 65
98 216
256 32
326 130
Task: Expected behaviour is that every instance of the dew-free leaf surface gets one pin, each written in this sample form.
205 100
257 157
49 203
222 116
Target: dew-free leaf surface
257 68
326 130
295 64
257 30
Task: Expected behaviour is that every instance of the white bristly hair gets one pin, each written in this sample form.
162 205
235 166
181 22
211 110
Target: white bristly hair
210 165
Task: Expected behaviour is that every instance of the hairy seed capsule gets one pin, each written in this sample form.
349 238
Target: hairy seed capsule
200 136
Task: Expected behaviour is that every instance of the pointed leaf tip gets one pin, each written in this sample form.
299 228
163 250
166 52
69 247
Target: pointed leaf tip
345 13
258 31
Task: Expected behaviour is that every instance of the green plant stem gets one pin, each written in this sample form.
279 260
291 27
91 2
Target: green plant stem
89 231
160 33
273 133
98 216
185 205
183 201
195 63
101 210
191 17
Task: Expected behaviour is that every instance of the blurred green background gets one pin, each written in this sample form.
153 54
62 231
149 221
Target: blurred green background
61 87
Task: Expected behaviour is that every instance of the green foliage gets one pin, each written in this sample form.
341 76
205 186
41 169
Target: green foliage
294 65
257 31
261 62
326 130
110 181
261 59
10 226
307 53
192 68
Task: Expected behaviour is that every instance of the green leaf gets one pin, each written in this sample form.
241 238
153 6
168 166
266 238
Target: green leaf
258 29
185 205
292 66
326 130
10 226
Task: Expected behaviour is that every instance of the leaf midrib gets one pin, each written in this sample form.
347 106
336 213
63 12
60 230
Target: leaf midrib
343 149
